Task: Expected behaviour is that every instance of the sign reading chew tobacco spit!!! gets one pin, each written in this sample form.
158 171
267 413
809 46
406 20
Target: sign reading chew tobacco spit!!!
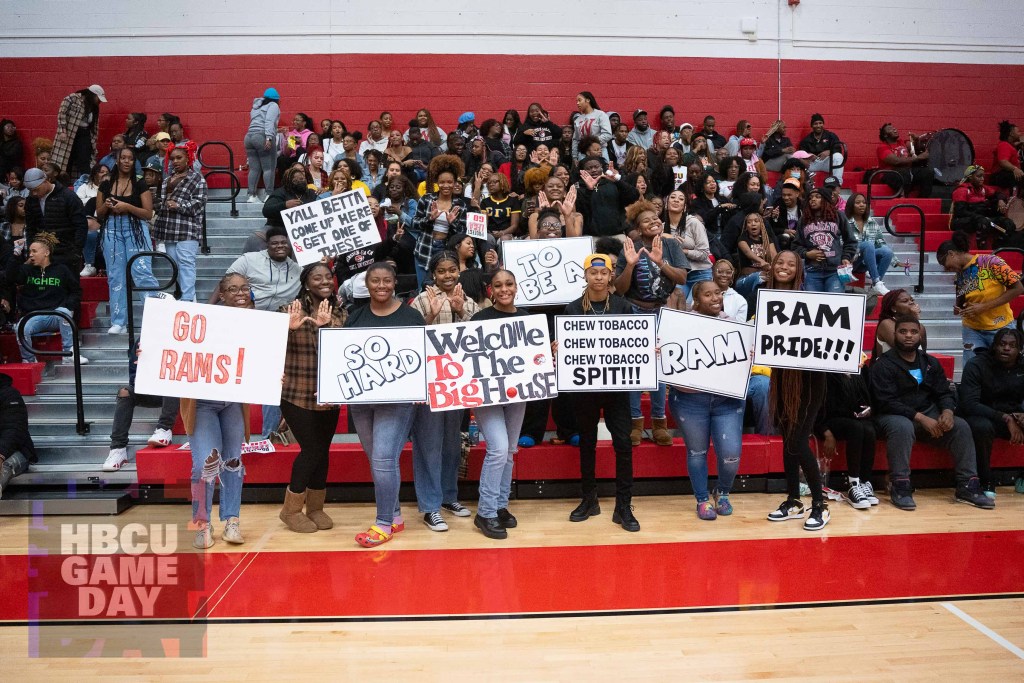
371 365
330 227
606 353
489 362
809 330
218 353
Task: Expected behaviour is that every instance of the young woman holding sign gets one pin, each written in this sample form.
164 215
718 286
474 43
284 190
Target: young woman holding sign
216 430
312 422
383 428
598 299
704 417
796 397
500 427
437 436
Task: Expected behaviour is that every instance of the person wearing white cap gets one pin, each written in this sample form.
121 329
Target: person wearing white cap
78 125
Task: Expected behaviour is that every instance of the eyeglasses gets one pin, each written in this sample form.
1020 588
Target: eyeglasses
548 225
236 289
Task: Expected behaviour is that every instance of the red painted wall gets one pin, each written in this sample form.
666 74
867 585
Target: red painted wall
212 94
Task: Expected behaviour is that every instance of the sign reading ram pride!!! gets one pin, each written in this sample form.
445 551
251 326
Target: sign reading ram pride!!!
330 227
606 353
489 362
704 353
371 365
809 330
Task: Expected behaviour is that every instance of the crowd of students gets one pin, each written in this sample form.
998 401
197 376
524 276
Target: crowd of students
680 218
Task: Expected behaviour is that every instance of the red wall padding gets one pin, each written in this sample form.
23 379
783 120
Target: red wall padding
212 94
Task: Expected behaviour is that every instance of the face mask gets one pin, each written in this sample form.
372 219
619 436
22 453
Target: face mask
794 174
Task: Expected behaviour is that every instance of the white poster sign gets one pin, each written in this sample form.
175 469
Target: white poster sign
211 352
489 362
547 271
330 227
809 330
606 353
476 225
704 353
371 365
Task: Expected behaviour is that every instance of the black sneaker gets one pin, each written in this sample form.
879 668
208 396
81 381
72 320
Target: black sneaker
435 522
456 509
790 509
490 527
972 494
901 493
857 497
818 518
507 519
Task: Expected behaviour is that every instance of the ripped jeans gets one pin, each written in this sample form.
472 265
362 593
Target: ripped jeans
219 433
975 340
705 418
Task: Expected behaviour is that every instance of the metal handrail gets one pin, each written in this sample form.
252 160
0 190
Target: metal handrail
82 426
132 288
212 170
919 287
881 172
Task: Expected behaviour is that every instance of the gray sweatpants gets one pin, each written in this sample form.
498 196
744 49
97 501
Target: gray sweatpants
900 434
261 161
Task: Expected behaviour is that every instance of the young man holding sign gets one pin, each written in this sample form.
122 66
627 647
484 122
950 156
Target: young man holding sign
598 299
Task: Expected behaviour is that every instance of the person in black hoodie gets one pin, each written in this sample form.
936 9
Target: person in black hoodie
293 192
846 416
537 129
992 399
602 199
45 286
913 400
16 447
56 209
825 242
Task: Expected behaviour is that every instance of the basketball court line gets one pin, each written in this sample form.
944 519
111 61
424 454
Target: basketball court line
251 556
992 635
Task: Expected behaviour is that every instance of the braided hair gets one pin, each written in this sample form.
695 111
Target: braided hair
137 187
306 297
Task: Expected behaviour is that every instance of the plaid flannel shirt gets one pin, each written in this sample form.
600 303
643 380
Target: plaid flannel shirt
423 226
300 364
186 221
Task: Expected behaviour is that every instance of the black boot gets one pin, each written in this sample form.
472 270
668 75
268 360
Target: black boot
623 515
587 508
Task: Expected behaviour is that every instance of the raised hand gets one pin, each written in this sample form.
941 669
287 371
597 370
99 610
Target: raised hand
656 250
323 314
630 252
453 214
296 316
457 299
542 201
434 212
589 180
436 302
569 203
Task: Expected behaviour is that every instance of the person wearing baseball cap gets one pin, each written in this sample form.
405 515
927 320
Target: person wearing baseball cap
74 145
260 150
598 299
53 208
642 133
825 147
979 209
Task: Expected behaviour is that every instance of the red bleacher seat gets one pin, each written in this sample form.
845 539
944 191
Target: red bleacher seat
95 289
25 376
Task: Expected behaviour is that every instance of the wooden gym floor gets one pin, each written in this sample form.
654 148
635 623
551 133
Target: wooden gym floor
880 594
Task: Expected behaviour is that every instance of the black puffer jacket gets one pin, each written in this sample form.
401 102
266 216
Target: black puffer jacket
65 218
14 434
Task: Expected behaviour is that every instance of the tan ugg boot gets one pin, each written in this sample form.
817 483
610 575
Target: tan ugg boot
638 431
659 430
315 508
291 513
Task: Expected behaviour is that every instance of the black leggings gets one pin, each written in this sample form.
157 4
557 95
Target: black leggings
859 436
314 430
796 451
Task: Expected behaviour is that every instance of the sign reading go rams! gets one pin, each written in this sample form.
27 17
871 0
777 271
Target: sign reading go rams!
704 353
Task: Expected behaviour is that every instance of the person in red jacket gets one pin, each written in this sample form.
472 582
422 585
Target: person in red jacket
981 209
893 153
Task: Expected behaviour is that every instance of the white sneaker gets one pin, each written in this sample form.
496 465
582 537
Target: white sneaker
253 199
88 271
161 247
117 458
70 360
232 534
880 289
204 537
161 438
116 329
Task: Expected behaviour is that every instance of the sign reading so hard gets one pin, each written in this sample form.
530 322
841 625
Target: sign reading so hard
547 271
371 365
210 352
329 227
606 353
704 353
809 330
489 362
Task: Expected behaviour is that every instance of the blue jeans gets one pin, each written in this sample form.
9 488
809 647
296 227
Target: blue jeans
818 280
184 254
657 396
704 418
271 420
92 241
119 245
876 259
692 278
975 340
500 427
217 436
47 323
747 285
383 430
436 454
757 394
